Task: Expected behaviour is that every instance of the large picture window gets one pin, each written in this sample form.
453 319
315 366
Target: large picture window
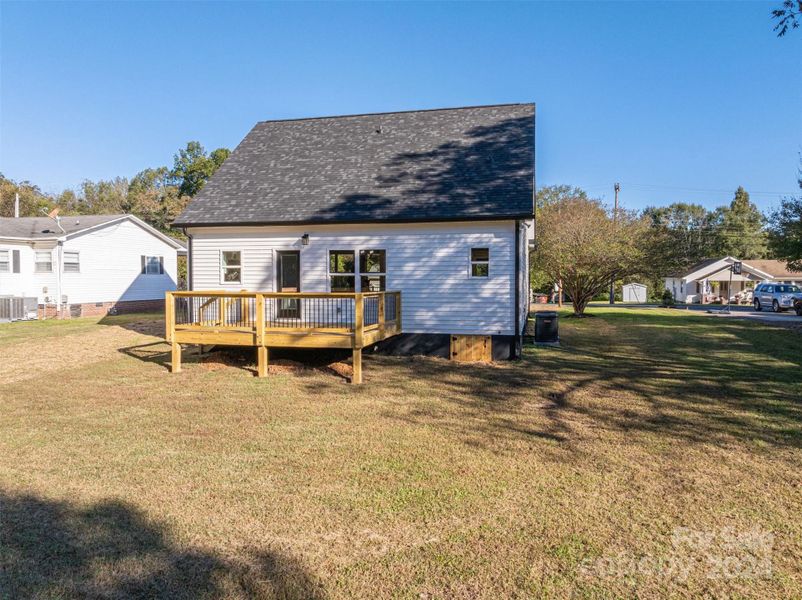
231 266
373 270
342 274
44 261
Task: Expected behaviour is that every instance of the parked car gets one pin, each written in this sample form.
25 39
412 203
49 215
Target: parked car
778 296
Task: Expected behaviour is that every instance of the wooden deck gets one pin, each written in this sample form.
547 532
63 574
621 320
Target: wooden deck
281 320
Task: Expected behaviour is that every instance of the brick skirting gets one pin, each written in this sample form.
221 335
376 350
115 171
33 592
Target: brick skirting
99 309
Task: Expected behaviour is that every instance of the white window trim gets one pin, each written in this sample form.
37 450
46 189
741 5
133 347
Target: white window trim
222 266
64 261
36 262
7 261
159 260
472 262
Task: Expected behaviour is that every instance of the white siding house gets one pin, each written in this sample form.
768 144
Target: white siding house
442 200
86 264
711 280
430 263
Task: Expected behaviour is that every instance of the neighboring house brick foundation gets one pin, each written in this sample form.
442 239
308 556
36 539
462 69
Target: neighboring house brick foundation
99 309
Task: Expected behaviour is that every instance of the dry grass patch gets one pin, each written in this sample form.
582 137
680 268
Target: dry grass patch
431 480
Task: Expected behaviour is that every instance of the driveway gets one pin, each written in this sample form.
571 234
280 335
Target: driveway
788 317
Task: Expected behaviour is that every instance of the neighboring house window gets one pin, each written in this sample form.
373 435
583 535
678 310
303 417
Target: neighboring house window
373 270
342 274
44 261
152 265
5 264
480 262
231 266
72 262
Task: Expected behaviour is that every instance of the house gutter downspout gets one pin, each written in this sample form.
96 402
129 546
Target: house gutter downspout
189 258
59 271
518 279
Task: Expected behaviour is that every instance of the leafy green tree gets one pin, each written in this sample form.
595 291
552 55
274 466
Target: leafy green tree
192 167
155 198
681 236
104 197
788 16
740 228
580 244
785 231
546 196
32 201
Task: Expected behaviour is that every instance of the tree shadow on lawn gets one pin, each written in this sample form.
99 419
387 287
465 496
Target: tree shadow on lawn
733 381
111 550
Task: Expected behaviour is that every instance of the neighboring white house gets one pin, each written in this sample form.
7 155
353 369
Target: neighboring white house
438 204
709 280
89 264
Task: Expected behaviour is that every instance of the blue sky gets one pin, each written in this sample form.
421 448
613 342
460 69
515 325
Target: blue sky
677 101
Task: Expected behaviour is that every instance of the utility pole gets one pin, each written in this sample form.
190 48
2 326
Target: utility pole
617 188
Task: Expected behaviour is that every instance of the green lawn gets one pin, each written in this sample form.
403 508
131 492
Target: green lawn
656 454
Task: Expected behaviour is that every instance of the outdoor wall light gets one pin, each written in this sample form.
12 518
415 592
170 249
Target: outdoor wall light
305 239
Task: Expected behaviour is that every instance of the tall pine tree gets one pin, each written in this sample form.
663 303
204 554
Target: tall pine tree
740 229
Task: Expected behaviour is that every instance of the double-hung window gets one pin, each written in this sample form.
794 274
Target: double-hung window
373 270
480 262
342 270
5 261
43 261
230 266
152 265
72 262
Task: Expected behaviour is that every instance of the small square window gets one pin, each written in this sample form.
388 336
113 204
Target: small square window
152 265
480 262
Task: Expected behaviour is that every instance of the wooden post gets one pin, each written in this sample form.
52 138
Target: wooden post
262 353
169 316
221 311
359 330
398 312
263 359
175 365
381 315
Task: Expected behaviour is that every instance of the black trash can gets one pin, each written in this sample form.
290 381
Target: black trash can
547 330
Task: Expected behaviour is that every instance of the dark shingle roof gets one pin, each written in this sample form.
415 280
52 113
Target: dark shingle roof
45 227
432 165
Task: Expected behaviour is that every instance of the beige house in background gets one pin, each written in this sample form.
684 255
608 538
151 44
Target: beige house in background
709 280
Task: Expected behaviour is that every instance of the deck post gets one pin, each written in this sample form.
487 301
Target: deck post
359 330
263 359
169 316
175 365
221 311
262 353
381 315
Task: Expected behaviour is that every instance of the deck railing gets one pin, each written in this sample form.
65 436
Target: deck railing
265 319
